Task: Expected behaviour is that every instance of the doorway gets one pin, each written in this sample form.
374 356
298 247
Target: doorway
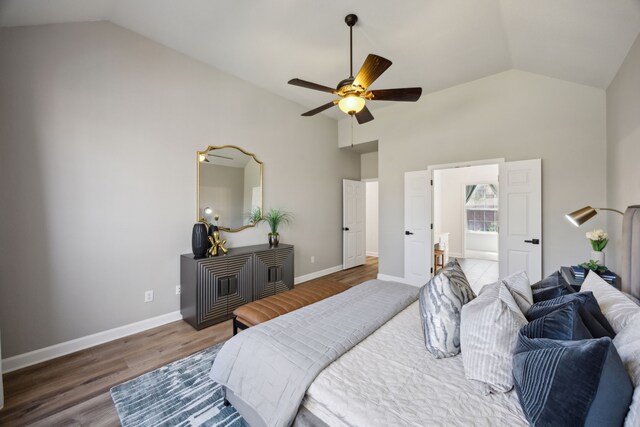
519 223
371 217
465 220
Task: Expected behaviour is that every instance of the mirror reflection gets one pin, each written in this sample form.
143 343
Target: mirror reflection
229 187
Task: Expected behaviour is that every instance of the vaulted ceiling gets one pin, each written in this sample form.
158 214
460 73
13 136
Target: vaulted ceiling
433 43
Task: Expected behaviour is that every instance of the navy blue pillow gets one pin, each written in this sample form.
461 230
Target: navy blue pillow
550 287
563 323
571 383
588 307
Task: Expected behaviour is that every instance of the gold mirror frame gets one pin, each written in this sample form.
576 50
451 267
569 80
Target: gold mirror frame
199 217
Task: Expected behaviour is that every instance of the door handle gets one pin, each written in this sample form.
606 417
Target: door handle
533 241
408 233
345 228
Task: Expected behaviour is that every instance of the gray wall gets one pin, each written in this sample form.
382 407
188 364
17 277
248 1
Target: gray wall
99 131
623 148
369 165
513 115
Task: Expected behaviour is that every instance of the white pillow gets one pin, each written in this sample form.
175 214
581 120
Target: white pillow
488 334
627 343
616 307
520 288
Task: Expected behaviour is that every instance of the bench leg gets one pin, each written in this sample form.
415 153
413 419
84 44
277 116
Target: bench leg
235 327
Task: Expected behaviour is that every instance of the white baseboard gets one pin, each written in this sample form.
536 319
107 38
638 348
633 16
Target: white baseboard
42 355
455 255
375 254
37 356
316 274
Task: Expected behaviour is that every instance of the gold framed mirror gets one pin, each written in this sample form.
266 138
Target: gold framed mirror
229 187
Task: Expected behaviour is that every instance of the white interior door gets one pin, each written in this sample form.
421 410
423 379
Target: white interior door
418 254
520 208
353 220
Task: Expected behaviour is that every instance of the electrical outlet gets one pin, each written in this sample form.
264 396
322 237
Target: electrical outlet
148 296
178 289
313 259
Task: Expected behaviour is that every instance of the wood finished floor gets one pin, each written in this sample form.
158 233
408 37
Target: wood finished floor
74 390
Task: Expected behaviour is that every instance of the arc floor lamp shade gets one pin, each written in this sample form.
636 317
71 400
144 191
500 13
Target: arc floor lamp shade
583 215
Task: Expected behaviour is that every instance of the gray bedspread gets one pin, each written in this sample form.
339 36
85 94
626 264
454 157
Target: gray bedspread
268 368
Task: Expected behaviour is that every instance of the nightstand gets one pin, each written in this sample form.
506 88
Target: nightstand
568 276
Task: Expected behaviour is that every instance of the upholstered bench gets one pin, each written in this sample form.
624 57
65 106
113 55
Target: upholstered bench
268 308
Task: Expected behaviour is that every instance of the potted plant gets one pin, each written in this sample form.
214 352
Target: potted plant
276 217
599 240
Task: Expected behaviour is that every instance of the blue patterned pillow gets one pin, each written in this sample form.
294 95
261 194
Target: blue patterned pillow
441 301
563 323
588 308
571 383
550 287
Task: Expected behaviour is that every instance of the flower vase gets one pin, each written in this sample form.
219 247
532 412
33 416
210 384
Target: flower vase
199 240
598 256
274 239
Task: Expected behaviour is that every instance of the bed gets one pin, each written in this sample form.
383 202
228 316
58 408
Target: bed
390 380
359 359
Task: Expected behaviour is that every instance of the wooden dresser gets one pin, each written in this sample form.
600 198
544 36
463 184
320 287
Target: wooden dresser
211 288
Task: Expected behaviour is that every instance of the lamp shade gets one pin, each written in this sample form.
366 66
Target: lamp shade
351 104
581 216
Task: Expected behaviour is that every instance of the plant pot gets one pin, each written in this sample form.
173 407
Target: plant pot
598 256
274 239
199 240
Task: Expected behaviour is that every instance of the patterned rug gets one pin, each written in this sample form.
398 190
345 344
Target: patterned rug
178 394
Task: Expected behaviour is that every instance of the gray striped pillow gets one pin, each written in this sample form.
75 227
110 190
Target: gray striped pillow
488 335
441 300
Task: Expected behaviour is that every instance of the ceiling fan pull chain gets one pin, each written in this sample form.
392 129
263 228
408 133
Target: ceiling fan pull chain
352 117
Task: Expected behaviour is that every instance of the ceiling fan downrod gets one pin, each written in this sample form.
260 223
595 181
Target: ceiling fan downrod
351 20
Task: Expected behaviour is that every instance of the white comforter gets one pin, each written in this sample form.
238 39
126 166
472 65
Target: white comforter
390 379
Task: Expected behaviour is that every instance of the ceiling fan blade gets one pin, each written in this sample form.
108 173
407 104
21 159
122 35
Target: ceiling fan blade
364 116
309 85
320 109
372 68
407 94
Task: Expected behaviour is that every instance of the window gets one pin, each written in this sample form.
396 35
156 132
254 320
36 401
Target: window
481 207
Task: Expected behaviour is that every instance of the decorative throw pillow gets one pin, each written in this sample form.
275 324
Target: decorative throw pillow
563 323
518 285
441 300
571 383
627 343
616 307
550 287
488 334
588 307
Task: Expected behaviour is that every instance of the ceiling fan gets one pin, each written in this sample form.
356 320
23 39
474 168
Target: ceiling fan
353 91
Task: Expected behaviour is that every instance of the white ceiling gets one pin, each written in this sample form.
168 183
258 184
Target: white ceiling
434 44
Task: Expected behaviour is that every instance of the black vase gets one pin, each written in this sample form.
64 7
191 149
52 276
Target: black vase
199 240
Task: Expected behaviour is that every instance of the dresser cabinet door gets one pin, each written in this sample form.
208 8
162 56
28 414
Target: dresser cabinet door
210 301
282 273
240 289
262 287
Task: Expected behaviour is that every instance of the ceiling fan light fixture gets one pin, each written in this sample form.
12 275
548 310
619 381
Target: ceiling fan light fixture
351 104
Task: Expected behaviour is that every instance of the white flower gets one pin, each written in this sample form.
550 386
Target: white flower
597 235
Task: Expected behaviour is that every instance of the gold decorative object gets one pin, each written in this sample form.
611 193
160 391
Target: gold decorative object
216 244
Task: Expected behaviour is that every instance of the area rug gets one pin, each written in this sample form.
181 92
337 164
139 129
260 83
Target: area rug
178 394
